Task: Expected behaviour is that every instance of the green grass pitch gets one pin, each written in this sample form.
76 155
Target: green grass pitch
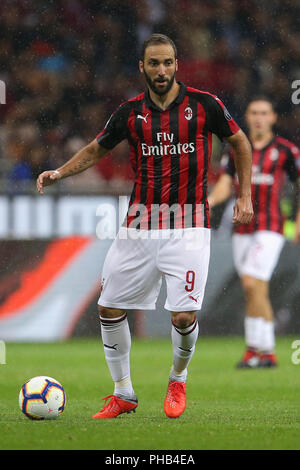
226 408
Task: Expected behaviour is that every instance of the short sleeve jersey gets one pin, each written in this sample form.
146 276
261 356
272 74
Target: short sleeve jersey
170 153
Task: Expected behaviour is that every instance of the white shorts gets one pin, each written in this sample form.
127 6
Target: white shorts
257 254
133 269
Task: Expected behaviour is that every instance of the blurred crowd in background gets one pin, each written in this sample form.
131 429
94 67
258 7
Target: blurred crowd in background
67 64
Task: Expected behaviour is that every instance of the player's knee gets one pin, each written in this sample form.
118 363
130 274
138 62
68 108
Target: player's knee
183 319
249 285
106 312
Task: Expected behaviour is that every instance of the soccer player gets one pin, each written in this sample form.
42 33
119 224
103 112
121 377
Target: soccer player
166 231
257 246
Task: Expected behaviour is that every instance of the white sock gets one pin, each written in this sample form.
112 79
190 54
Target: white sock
183 341
268 337
253 331
117 343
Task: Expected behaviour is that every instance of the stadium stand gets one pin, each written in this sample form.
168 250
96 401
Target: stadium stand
68 64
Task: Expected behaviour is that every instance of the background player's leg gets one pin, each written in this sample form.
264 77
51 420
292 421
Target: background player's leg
256 268
117 343
257 298
259 324
184 336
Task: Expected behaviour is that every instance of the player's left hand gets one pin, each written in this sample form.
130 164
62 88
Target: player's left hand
242 211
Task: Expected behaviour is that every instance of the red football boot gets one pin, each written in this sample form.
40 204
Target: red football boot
116 406
268 360
250 359
175 401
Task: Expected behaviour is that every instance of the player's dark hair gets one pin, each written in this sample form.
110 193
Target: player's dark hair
262 98
156 39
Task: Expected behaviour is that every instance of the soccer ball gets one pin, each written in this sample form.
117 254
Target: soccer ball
42 398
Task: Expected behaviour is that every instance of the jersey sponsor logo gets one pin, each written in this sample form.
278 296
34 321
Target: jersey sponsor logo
261 178
168 149
166 146
188 113
139 116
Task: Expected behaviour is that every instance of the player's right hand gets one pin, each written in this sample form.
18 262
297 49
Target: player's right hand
46 179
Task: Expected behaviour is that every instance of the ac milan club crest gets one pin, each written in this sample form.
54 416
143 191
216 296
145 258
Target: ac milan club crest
188 113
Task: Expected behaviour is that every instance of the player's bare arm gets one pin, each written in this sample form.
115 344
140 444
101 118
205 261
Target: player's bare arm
243 210
221 191
82 160
297 231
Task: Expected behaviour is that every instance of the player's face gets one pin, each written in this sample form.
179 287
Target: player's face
260 117
159 67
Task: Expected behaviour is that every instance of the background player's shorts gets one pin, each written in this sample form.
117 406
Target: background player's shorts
257 254
133 269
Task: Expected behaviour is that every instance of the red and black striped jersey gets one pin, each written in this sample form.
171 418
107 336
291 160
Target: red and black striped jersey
270 167
170 154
